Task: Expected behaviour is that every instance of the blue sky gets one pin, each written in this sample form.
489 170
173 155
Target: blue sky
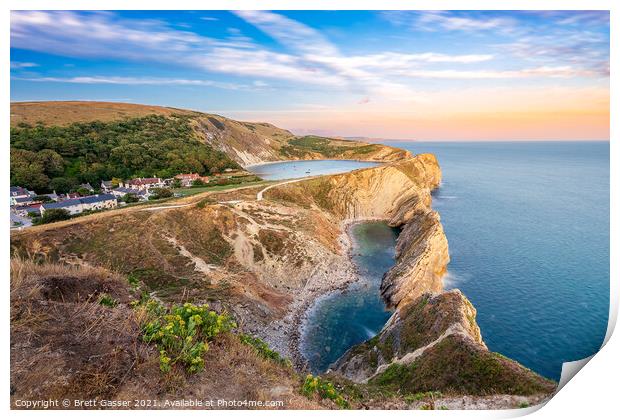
379 74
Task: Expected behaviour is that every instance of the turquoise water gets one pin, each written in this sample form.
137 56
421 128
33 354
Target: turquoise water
344 319
528 229
303 168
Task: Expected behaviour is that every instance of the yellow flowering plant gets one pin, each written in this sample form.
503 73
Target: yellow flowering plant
182 332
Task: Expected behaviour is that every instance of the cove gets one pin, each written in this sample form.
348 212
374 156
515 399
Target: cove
343 319
304 168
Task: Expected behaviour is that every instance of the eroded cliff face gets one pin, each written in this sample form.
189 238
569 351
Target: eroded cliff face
434 344
399 192
421 260
394 191
409 332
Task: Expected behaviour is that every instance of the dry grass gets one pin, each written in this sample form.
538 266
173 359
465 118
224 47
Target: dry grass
64 344
69 112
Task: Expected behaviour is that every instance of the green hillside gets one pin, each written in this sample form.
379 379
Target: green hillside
46 158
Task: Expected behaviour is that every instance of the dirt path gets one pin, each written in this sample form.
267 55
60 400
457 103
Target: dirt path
259 195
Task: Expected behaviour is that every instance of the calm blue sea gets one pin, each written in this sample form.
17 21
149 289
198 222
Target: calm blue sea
528 229
303 168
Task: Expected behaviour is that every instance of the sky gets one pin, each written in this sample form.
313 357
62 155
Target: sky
427 75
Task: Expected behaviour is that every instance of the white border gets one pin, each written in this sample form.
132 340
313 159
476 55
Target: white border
592 395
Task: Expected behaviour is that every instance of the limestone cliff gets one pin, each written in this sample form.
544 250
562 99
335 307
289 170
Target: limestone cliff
434 344
395 191
400 193
421 260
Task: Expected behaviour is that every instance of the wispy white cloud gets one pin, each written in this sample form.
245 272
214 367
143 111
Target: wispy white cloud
446 20
554 72
22 65
450 21
98 80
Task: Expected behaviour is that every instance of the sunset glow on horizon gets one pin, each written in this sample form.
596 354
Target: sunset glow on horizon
396 75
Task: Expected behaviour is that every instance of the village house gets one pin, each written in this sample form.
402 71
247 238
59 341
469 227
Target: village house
143 183
79 205
72 205
87 187
106 186
22 201
20 193
98 202
187 180
25 211
121 192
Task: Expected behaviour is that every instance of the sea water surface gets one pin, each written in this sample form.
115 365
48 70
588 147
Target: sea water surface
528 228
343 319
303 168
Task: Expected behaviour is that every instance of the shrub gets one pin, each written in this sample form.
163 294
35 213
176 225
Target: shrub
130 198
160 193
198 183
205 202
263 349
315 385
52 215
107 300
182 333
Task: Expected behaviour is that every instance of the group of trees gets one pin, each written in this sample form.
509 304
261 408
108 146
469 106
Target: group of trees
60 158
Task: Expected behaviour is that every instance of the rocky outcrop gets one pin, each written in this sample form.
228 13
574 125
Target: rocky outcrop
421 260
434 344
409 332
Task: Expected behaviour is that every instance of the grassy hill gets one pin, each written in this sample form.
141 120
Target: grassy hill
243 142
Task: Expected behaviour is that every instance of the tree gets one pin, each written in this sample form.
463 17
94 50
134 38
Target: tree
63 185
158 193
130 198
83 191
42 198
176 183
52 215
198 183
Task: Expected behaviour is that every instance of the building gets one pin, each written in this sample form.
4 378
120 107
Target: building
87 187
187 180
22 201
121 192
143 183
79 205
98 202
72 205
106 186
20 193
24 211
